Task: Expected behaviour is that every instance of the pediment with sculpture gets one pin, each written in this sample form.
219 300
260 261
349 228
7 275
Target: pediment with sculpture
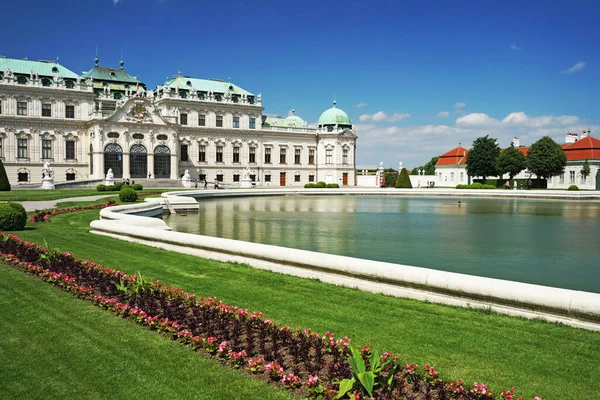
138 110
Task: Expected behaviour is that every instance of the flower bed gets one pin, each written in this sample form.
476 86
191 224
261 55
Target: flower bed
309 364
45 216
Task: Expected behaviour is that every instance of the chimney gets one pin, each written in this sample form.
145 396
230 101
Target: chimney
515 142
571 138
584 134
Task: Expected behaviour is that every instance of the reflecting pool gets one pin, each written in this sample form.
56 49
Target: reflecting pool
546 242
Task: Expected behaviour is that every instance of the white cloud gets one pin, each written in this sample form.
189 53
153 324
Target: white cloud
476 119
460 105
575 68
398 117
520 118
381 116
443 114
115 2
515 47
360 105
415 145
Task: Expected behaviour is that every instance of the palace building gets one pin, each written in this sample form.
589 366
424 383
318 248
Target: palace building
85 124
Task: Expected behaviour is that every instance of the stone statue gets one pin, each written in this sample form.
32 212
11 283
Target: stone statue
109 174
259 98
89 81
78 80
246 173
186 179
47 179
47 171
246 182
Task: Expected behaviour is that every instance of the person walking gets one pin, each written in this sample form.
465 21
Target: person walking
216 183
529 184
205 184
507 185
515 184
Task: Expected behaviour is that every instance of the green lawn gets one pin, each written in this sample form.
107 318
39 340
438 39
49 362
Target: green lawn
38 194
53 346
543 359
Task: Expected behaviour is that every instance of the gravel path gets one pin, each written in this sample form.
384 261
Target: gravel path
44 204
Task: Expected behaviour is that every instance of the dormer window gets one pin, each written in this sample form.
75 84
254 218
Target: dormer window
21 80
69 84
112 73
54 69
189 83
46 82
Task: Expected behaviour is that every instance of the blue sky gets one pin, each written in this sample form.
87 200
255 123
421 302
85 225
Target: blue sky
416 78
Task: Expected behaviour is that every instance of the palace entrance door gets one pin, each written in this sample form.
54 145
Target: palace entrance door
345 179
282 179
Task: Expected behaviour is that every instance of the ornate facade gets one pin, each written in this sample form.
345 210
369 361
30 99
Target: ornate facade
105 118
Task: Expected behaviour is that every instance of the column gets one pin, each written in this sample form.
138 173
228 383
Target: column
174 167
126 170
151 165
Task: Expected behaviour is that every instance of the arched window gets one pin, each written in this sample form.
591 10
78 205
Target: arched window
21 80
46 82
162 162
138 161
113 158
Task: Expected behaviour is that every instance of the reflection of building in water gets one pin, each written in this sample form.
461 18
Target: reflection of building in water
278 220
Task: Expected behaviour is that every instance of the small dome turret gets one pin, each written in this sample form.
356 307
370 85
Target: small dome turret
335 116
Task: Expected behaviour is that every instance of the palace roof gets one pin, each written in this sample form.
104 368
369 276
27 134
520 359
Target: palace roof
204 85
42 67
334 116
456 156
109 75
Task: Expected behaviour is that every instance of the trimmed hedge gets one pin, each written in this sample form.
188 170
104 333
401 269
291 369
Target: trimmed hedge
333 186
12 217
403 181
127 195
101 187
310 185
4 182
573 187
321 184
137 186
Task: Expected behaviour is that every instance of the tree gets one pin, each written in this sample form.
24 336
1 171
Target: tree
482 159
546 158
403 180
585 169
4 183
511 161
429 167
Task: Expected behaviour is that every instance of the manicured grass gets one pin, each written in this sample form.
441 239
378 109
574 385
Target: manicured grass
38 194
539 358
54 346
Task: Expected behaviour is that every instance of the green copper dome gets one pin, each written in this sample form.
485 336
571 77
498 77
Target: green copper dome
334 116
294 121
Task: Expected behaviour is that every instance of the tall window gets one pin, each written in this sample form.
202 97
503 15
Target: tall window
219 121
252 155
183 119
311 156
311 178
345 156
267 155
21 108
202 153
70 111
236 122
297 178
0 106
236 154
282 152
451 176
70 149
201 120
571 176
268 178
46 148
219 153
329 156
296 156
462 176
46 110
562 178
22 148
252 123
184 153
0 147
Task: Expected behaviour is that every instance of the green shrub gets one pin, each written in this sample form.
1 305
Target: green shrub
4 183
332 185
476 185
101 187
321 184
309 185
486 186
110 188
403 180
137 186
462 186
118 186
573 187
127 195
12 217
